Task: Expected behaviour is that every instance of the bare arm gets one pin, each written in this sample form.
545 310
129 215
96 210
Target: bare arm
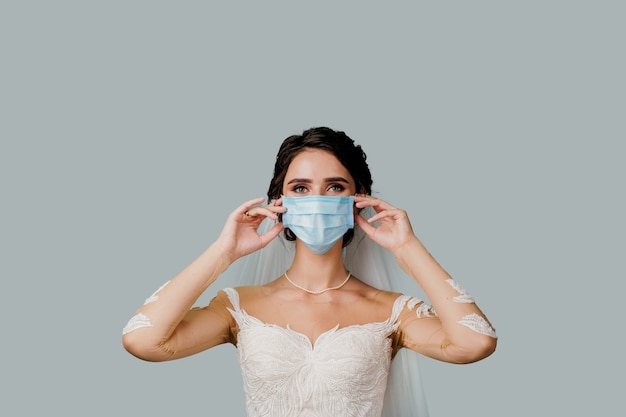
166 327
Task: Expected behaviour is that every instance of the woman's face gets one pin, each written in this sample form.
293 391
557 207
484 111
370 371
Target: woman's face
317 172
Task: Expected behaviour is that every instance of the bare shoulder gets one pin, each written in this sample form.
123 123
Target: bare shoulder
251 296
375 294
374 300
254 291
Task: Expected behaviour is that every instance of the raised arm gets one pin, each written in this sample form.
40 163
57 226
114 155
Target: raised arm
454 329
165 327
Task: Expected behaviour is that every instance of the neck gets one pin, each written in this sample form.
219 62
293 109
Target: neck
317 272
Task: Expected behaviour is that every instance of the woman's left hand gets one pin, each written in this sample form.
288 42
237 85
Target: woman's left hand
394 229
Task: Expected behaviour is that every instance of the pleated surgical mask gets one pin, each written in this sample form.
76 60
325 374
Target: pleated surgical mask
318 220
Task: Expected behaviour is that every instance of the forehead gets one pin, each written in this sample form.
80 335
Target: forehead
312 163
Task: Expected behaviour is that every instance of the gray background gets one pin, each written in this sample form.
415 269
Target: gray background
131 129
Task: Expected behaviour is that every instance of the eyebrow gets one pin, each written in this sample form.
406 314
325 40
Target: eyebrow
329 179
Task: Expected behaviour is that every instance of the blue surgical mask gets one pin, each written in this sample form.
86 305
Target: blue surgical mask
319 220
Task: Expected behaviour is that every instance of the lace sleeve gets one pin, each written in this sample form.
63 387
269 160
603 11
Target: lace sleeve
220 305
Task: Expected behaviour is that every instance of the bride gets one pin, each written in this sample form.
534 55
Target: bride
326 335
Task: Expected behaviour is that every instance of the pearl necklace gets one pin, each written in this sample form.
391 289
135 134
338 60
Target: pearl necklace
320 291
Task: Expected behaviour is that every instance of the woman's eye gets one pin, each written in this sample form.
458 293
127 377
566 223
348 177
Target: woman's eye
336 187
299 189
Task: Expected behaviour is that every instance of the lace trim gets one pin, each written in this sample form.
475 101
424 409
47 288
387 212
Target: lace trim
398 305
154 297
137 322
243 318
464 297
478 324
424 309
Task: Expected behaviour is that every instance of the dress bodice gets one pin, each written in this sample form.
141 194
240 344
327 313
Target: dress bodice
342 373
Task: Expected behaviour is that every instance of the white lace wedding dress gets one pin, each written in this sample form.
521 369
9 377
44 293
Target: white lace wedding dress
342 373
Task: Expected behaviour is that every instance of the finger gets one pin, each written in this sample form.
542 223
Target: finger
361 201
271 234
363 224
269 211
392 213
242 209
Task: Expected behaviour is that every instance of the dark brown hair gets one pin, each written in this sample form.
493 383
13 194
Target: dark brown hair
351 156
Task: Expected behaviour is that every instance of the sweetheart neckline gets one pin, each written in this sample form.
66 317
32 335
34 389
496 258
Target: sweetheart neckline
313 343
399 302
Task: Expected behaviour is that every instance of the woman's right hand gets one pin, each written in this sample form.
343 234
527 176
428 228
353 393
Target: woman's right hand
239 237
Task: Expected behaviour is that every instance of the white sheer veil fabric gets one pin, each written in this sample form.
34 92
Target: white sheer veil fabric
373 265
